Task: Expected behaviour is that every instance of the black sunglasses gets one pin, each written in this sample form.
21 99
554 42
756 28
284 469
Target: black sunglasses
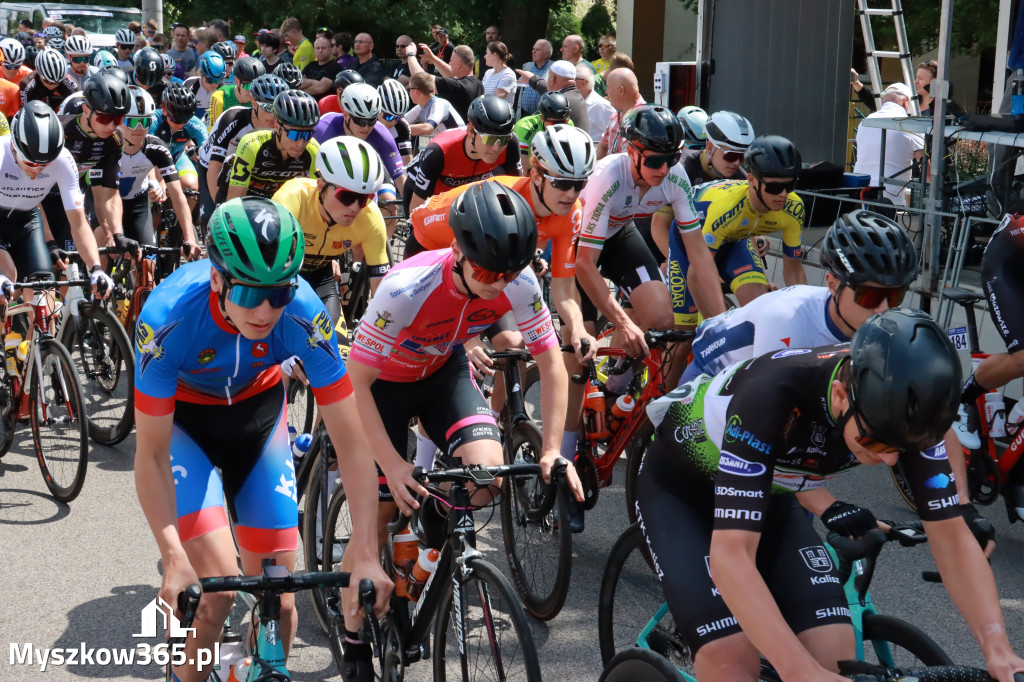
658 160
363 122
566 184
778 187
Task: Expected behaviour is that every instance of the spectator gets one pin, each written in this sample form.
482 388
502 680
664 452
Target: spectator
271 53
318 77
151 29
619 60
135 27
204 39
441 47
369 66
343 51
624 94
561 78
542 51
572 51
158 42
181 52
291 33
322 32
401 72
458 85
499 79
599 110
239 42
491 34
79 31
26 26
926 73
220 29
901 149
431 113
606 48
140 42
864 94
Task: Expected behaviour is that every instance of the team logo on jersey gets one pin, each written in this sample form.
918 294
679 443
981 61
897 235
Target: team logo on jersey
149 342
709 239
320 332
260 349
483 315
791 351
817 559
383 320
537 303
207 356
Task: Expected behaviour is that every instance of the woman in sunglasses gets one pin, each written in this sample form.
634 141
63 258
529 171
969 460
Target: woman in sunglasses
210 343
718 496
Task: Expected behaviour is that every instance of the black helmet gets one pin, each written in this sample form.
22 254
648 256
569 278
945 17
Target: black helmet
36 128
248 69
226 49
863 246
491 115
267 87
653 128
553 106
180 102
297 109
291 74
105 93
906 379
772 156
117 72
347 77
149 67
494 227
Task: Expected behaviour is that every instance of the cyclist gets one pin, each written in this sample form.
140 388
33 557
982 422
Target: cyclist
79 52
247 69
465 155
209 397
336 214
552 108
693 119
149 72
14 69
169 65
230 128
142 153
34 162
394 105
733 211
101 59
51 83
716 491
431 114
290 73
265 159
125 42
331 104
176 123
212 72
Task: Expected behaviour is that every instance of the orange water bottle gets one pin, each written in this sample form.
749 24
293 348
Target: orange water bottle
621 409
405 550
595 413
425 565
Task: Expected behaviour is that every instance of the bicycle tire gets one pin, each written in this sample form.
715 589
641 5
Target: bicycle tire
880 629
636 450
899 479
301 406
63 468
534 548
531 393
337 518
103 356
310 547
640 664
8 423
485 583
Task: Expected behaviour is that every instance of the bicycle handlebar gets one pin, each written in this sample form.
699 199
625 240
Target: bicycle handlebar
862 671
43 285
275 579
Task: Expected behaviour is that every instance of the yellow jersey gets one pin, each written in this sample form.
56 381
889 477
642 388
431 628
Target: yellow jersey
727 215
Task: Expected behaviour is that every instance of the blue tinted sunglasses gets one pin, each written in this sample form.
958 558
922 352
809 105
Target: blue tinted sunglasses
248 296
298 135
391 117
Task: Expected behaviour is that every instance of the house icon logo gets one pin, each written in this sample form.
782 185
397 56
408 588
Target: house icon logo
157 611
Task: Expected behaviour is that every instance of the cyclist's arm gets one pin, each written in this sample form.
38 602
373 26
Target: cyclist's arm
422 128
793 271
212 173
180 203
702 275
108 209
216 108
816 501
565 298
85 240
661 221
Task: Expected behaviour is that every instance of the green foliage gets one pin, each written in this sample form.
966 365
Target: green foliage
974 26
595 23
562 22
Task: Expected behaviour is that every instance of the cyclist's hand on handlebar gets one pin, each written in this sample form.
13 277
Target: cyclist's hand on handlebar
572 479
128 246
1003 667
480 362
848 520
368 568
762 245
6 290
157 194
292 367
102 285
58 255
577 342
633 340
178 575
982 529
404 488
190 251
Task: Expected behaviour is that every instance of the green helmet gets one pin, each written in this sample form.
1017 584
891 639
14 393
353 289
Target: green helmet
256 240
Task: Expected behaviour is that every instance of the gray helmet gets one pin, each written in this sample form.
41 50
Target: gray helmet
105 93
248 69
491 115
266 88
863 246
297 109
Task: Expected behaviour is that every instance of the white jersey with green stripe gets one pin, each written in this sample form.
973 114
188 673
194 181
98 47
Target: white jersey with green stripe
612 199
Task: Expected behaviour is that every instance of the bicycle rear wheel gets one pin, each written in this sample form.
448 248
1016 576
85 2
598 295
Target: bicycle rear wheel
891 641
300 406
320 529
60 429
539 552
640 664
103 357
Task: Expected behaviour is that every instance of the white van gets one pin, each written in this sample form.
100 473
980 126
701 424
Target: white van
99 21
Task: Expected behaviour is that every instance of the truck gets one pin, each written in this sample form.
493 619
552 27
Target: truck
100 22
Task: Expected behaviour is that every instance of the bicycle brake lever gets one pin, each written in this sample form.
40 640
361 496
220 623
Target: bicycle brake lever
367 598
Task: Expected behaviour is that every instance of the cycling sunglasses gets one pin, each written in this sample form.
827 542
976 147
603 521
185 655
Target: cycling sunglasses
495 140
867 440
174 118
213 81
872 297
11 66
107 119
26 162
296 135
80 60
348 197
246 86
778 187
730 156
133 122
566 184
248 296
362 122
485 276
391 117
125 46
656 161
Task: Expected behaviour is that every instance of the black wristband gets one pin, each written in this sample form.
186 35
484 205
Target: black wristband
95 268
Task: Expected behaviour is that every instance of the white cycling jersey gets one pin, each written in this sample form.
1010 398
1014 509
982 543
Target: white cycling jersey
611 200
19 193
135 167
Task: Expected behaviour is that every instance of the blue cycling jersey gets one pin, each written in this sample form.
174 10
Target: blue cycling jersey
185 350
176 140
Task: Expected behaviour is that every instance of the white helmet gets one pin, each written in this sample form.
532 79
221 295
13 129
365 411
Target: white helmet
168 61
14 52
51 65
72 104
394 98
728 131
141 102
563 151
77 45
693 120
51 32
361 100
125 36
350 163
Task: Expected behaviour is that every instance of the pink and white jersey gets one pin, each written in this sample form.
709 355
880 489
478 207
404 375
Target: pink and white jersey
417 316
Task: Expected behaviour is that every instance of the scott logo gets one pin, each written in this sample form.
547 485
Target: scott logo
731 464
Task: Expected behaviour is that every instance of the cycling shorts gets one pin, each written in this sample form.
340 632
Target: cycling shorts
1002 271
738 263
449 404
643 226
207 203
248 443
626 261
185 166
326 288
138 220
21 235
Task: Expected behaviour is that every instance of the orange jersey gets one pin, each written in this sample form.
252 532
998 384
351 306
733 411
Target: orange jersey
10 98
431 229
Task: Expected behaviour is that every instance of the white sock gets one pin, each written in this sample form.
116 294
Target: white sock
569 440
425 451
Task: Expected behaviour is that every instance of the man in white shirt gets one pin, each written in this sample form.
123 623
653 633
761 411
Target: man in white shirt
901 149
599 110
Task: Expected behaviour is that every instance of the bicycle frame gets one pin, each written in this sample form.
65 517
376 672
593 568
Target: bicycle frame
39 318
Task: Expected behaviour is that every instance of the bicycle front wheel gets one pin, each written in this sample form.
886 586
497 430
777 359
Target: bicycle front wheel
891 641
103 357
320 530
635 453
300 406
495 633
60 429
640 664
539 552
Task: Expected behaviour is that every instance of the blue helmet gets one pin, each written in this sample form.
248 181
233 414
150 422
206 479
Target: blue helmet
103 58
211 65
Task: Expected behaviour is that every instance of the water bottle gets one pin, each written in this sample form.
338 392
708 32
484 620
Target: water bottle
240 672
995 414
300 446
595 413
425 565
1017 93
11 343
1015 417
405 550
230 654
621 410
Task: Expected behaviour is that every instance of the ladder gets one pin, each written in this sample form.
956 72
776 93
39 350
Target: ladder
902 54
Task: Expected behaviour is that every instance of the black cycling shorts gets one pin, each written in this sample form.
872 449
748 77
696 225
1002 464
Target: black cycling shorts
412 246
448 403
1002 271
625 260
676 510
21 235
326 288
138 220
